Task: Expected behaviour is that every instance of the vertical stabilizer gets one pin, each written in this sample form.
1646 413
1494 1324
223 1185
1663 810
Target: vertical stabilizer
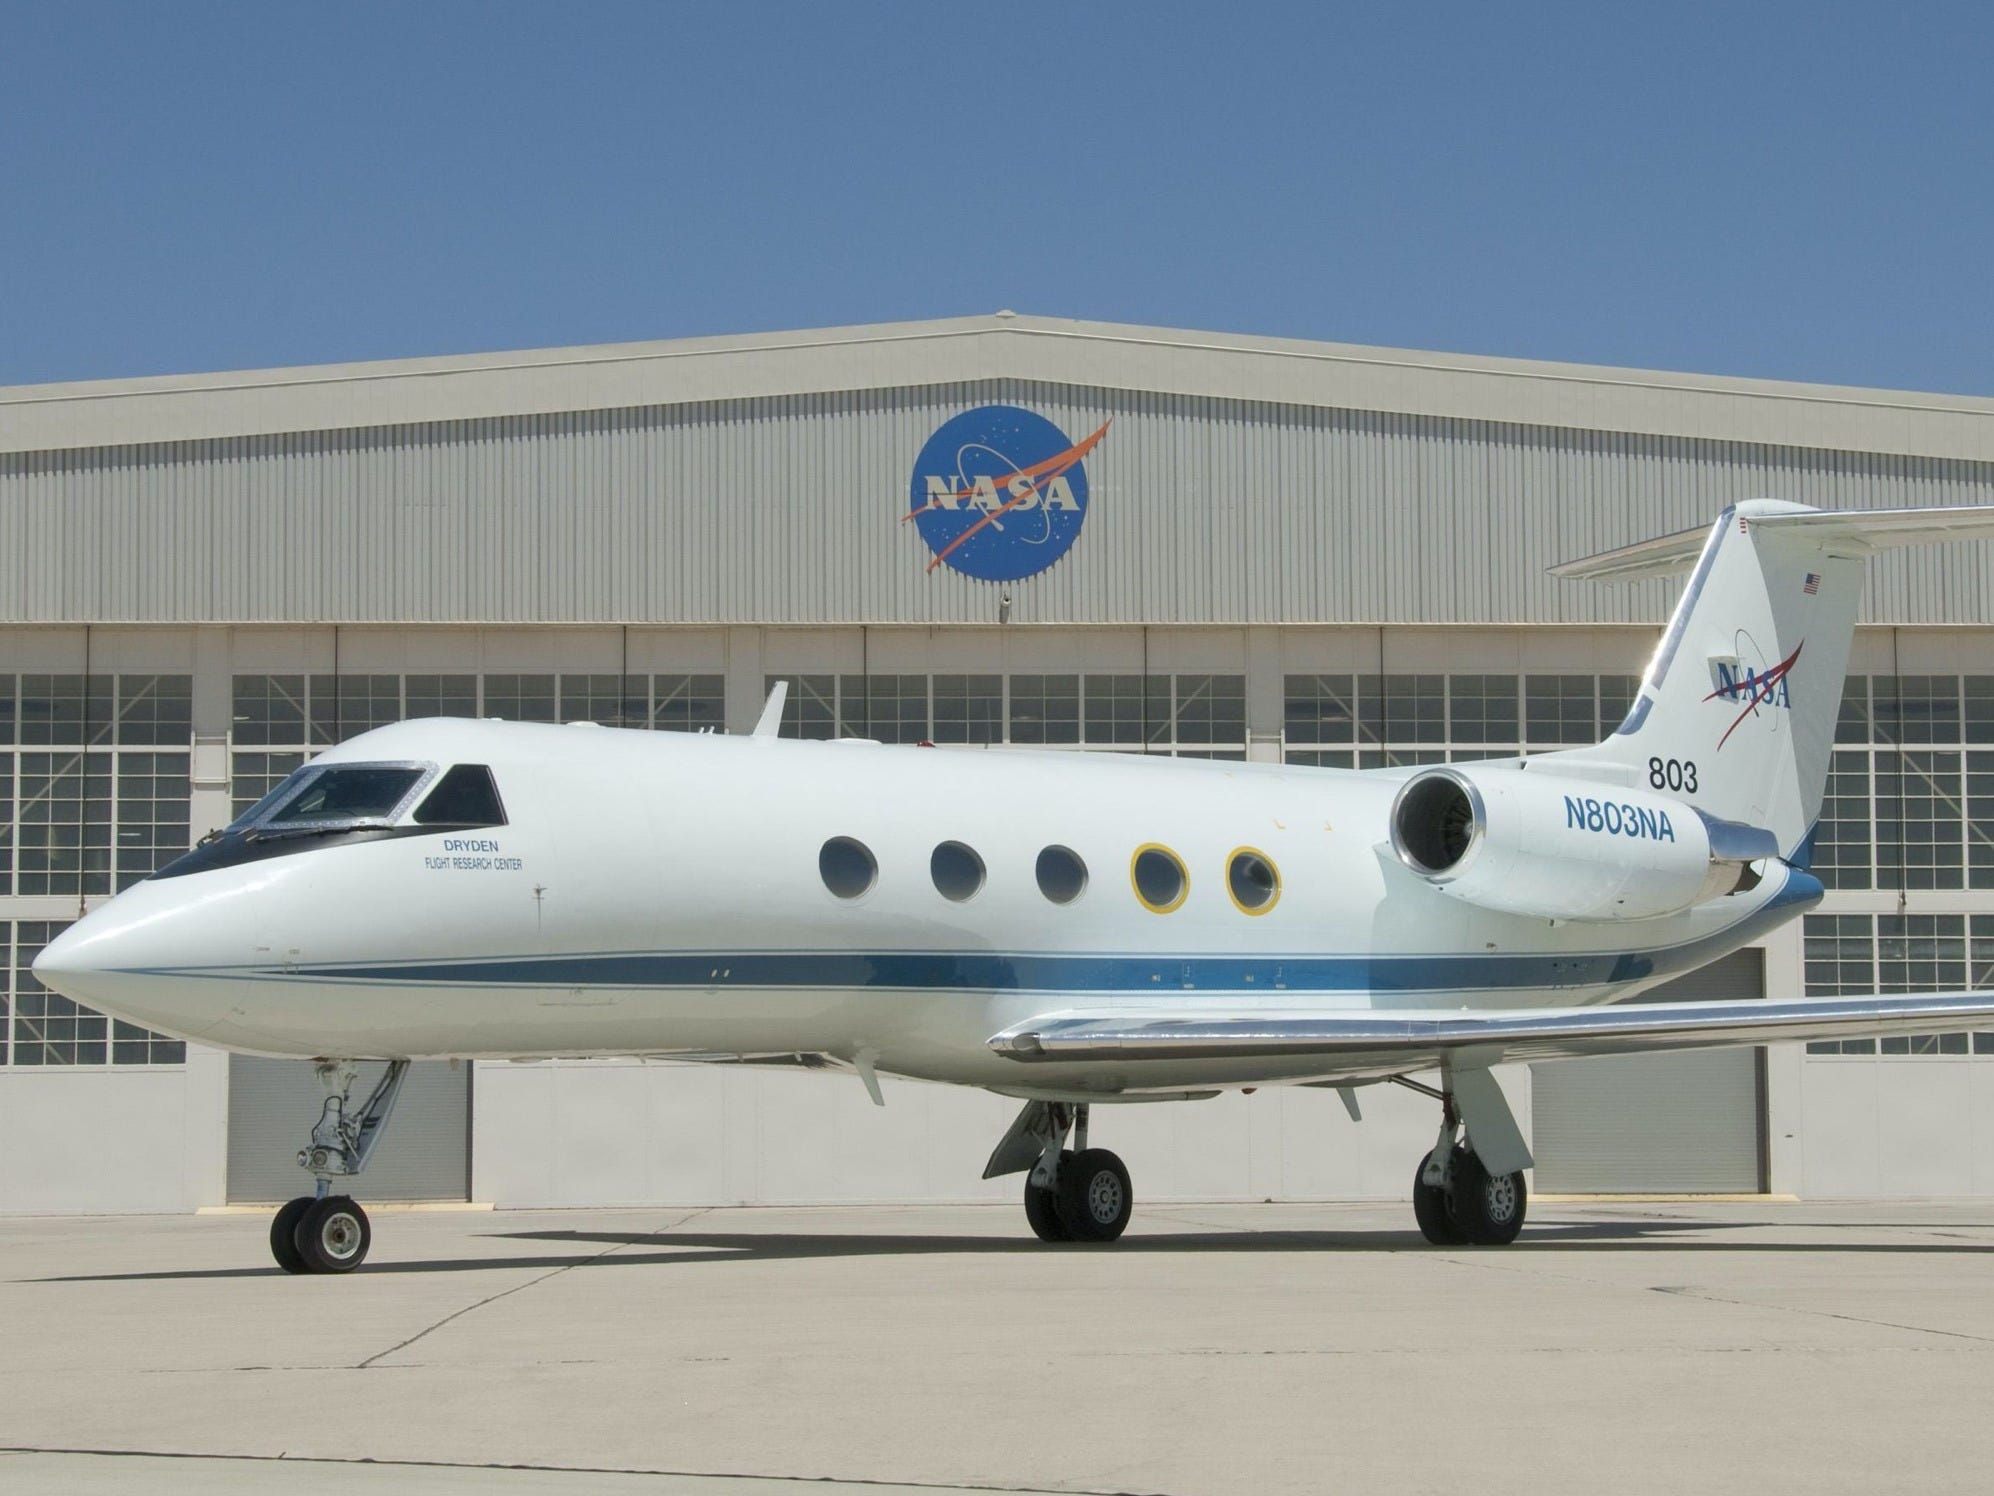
1736 713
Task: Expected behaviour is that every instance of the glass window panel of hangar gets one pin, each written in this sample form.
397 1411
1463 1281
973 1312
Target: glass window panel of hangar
1399 720
1853 954
1911 787
1184 715
1044 710
90 806
439 696
95 794
271 736
896 708
968 709
609 700
49 1029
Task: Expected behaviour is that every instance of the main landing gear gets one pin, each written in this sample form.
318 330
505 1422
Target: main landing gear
324 1232
1076 1194
1455 1198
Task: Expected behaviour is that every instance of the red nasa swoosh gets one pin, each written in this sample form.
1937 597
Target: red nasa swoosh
1761 692
1039 475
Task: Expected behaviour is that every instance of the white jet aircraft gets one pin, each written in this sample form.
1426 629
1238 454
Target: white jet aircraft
1066 929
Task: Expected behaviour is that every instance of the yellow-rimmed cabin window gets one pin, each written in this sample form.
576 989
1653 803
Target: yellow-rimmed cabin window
1158 877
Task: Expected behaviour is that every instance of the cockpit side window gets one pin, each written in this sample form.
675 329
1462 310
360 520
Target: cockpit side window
348 794
466 795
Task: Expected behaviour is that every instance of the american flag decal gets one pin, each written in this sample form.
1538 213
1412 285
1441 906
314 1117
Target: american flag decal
1812 585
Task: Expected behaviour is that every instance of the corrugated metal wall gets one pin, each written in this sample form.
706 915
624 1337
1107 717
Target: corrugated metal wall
788 511
1688 1123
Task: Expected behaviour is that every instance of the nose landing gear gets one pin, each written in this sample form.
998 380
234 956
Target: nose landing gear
324 1232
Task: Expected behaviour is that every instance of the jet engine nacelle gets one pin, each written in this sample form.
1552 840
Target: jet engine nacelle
1560 848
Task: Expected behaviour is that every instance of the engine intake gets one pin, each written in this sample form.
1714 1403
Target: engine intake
1436 822
1554 847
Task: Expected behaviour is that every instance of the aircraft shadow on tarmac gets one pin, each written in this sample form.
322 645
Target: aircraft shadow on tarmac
676 1247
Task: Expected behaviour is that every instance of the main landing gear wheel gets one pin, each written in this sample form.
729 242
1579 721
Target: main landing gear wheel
1093 1196
1430 1209
1042 1207
1076 1194
284 1234
1455 1198
1486 1208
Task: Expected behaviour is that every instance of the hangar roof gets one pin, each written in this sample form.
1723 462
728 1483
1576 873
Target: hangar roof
1231 366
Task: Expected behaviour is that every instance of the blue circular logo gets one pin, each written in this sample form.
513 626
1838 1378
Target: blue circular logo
999 493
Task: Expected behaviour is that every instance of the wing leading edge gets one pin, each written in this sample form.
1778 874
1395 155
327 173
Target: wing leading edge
1375 1043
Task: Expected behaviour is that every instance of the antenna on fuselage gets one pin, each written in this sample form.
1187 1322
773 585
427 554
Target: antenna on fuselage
770 722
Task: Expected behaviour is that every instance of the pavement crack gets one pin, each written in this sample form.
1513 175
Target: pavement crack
195 1457
1853 1319
506 1293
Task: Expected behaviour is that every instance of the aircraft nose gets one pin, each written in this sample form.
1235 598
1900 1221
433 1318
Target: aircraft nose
68 962
111 960
86 961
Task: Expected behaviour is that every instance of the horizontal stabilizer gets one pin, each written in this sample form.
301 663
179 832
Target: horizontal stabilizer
1664 556
1373 1043
1862 530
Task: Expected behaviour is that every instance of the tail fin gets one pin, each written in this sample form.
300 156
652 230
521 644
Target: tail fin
1736 713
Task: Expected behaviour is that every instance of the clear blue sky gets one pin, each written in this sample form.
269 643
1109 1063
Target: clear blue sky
1794 191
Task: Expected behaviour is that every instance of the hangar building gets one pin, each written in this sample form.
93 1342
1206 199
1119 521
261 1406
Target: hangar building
1260 549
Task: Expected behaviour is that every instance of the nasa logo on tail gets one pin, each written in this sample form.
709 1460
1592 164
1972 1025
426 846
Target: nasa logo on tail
1000 493
1756 689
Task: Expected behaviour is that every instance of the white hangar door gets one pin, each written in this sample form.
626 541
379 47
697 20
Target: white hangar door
1690 1123
424 1155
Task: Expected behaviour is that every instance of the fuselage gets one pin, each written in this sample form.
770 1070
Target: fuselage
659 893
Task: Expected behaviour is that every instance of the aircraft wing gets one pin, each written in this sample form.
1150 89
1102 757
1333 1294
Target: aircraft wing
1374 1042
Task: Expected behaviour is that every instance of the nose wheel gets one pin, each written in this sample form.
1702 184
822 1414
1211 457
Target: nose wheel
326 1232
313 1235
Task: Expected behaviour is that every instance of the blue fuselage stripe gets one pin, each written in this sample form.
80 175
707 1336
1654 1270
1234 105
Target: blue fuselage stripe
999 971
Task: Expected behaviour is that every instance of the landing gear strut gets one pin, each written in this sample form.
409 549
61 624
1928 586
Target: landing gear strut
1455 1198
1077 1194
324 1232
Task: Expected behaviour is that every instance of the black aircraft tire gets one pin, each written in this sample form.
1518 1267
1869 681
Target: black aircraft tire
333 1235
1488 1208
1430 1209
284 1234
1042 1211
1094 1197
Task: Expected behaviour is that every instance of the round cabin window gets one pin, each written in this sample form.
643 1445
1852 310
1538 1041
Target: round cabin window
847 867
1253 881
1062 875
1159 878
957 871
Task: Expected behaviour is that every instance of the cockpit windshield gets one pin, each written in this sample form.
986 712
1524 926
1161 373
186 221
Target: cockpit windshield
347 793
334 797
337 804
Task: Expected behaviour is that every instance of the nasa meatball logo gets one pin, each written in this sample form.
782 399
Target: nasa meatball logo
1748 682
1000 493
